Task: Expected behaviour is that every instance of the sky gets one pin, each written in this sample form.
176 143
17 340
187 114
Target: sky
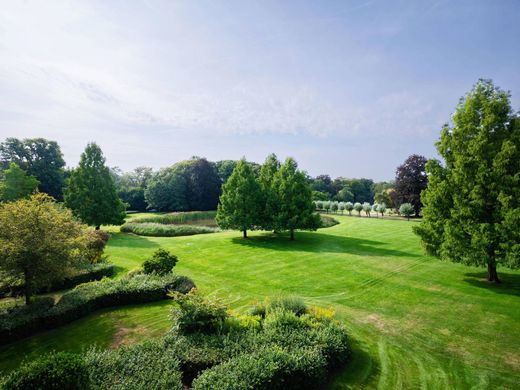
347 88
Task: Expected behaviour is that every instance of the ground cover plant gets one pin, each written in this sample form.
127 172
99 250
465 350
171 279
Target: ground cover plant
407 313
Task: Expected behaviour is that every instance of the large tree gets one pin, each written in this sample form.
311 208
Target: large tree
411 180
240 204
91 192
471 208
40 241
269 201
294 208
166 191
40 158
15 184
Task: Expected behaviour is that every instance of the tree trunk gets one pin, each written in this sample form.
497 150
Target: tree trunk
98 227
492 275
292 234
244 233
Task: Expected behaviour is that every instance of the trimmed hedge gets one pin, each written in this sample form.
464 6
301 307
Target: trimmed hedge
84 299
152 229
88 274
60 371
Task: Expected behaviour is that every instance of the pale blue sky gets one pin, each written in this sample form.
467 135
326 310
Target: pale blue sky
349 88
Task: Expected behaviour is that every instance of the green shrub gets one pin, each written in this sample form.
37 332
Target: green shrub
161 230
60 371
290 303
142 366
197 314
89 297
270 369
161 263
327 221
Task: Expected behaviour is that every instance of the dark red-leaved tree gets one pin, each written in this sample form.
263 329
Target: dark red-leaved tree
410 180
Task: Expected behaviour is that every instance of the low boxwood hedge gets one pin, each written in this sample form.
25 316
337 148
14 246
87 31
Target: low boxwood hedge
22 321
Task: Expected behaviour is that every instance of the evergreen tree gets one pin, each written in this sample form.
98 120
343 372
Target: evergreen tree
91 192
269 201
294 208
240 203
16 184
471 208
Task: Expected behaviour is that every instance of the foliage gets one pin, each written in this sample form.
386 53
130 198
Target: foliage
327 221
133 197
367 208
334 206
358 207
349 207
60 371
196 313
472 208
91 192
240 205
318 195
407 210
225 168
16 184
166 191
141 366
204 218
86 298
40 241
410 181
294 208
161 263
270 199
381 208
39 158
152 229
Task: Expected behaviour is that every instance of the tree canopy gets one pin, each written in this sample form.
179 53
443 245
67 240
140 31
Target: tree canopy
471 208
411 180
40 158
91 192
40 241
15 184
241 200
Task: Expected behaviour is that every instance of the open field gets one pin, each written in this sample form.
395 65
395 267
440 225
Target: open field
416 322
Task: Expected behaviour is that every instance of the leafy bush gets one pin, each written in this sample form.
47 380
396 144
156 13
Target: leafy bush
407 210
60 371
144 366
196 313
85 299
161 263
152 229
327 221
293 304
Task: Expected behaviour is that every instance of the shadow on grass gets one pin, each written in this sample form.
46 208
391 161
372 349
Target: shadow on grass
510 283
312 242
129 240
361 369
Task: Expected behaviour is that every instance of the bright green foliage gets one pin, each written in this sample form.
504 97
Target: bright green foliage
358 207
294 208
40 158
91 192
240 204
16 184
166 191
161 263
407 210
269 200
60 371
40 241
383 197
472 203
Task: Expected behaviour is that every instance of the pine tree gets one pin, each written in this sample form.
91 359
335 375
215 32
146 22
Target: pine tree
91 192
240 203
294 208
471 210
16 184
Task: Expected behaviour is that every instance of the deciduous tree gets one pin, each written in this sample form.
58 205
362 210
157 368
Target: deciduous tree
410 181
472 204
15 184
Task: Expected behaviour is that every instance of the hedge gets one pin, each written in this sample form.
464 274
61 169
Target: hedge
88 274
180 218
152 229
84 299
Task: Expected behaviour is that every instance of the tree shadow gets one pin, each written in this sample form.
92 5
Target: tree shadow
130 240
510 283
320 243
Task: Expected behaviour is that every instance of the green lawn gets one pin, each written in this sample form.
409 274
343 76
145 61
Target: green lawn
416 322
